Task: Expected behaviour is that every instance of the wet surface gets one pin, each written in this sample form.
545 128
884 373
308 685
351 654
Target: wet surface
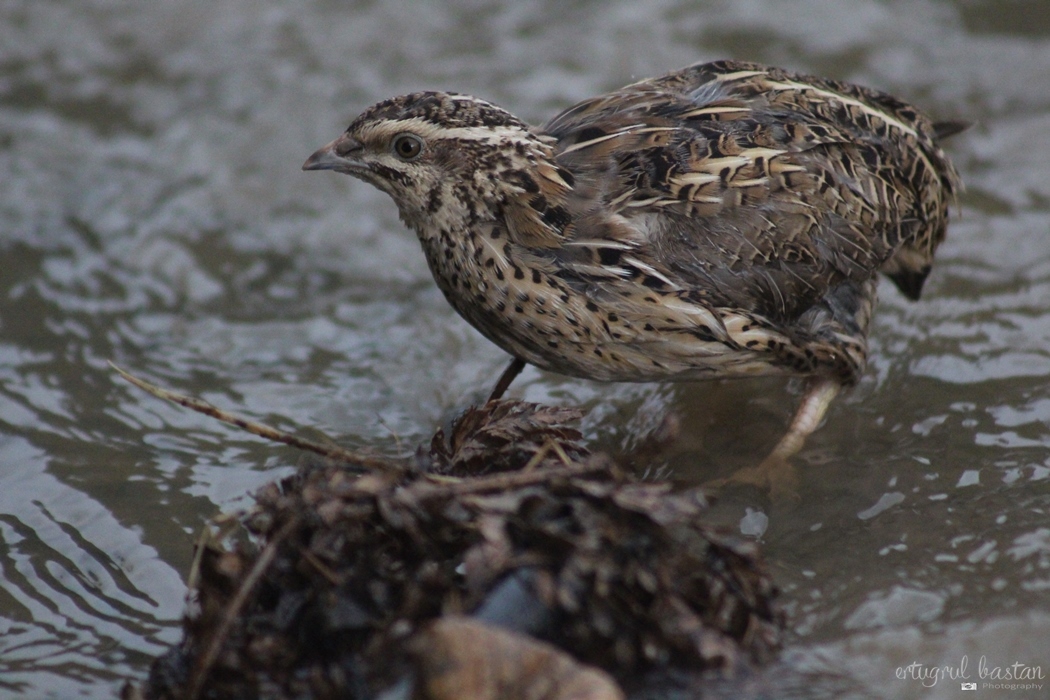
153 213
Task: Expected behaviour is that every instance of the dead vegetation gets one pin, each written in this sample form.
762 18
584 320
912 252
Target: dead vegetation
506 561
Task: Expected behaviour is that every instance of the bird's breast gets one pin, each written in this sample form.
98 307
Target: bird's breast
603 333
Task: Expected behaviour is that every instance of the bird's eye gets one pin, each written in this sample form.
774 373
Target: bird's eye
407 146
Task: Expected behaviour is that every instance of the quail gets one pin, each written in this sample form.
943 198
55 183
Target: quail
729 219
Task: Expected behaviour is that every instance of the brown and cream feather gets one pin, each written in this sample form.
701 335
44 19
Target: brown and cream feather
728 219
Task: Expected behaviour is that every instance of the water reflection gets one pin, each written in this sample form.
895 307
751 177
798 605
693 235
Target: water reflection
154 214
83 598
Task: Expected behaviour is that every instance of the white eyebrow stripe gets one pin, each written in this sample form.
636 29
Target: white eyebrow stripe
428 130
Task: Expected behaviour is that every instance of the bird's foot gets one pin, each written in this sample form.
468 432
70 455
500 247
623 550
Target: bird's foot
775 475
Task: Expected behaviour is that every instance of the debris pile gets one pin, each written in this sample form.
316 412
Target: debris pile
505 541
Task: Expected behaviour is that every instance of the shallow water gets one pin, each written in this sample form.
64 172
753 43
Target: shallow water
153 213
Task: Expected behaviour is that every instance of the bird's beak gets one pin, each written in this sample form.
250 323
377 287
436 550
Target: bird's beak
341 155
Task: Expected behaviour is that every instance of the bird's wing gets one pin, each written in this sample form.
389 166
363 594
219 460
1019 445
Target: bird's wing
751 186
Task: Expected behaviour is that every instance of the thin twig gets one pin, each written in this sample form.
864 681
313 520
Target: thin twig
549 446
264 431
321 567
240 598
223 524
397 438
506 480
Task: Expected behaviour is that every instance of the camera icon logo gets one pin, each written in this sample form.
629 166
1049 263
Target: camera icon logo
969 686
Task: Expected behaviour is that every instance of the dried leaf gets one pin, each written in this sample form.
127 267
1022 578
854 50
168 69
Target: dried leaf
460 658
505 435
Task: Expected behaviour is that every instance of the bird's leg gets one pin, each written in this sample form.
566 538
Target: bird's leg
819 395
508 376
775 472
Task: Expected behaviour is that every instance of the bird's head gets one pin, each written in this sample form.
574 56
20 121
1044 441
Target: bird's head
447 160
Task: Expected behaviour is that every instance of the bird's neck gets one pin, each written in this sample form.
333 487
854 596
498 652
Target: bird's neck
520 188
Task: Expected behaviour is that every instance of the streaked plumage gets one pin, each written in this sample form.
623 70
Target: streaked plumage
728 219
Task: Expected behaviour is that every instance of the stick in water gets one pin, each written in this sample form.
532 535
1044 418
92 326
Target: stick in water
264 431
